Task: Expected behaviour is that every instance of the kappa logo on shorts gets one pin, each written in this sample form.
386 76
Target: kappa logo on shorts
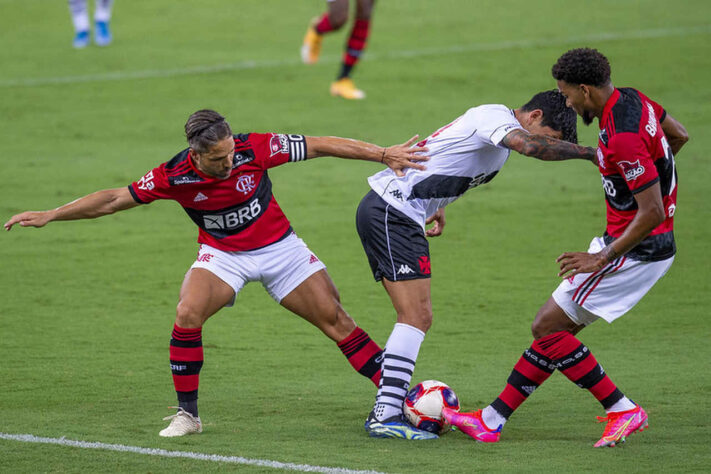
425 265
404 270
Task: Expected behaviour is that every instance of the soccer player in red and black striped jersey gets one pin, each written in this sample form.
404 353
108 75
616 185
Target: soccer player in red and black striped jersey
637 143
222 183
333 20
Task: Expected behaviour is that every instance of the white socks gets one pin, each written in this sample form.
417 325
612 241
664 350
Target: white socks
399 359
492 418
622 404
80 13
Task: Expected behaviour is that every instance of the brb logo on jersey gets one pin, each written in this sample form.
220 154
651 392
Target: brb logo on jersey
278 144
245 184
235 219
631 169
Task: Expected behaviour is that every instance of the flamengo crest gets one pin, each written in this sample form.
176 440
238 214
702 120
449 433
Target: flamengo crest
245 183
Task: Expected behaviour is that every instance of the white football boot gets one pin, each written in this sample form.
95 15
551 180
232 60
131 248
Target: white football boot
182 423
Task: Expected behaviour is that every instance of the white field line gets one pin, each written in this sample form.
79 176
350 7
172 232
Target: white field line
583 40
28 438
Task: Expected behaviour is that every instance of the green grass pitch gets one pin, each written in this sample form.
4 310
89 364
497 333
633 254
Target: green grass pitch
87 307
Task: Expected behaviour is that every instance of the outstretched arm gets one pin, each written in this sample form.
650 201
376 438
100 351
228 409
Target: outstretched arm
396 157
546 148
94 205
675 132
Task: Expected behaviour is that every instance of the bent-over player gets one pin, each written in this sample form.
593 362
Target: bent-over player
637 143
391 221
222 183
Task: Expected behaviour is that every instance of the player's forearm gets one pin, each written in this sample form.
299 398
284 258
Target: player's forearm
546 148
346 148
94 205
549 149
638 230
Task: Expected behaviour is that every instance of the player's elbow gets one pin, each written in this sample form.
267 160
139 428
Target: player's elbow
656 215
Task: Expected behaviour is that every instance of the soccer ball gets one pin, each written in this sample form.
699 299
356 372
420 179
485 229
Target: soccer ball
424 402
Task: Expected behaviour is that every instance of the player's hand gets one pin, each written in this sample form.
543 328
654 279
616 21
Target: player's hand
439 221
399 157
29 219
572 263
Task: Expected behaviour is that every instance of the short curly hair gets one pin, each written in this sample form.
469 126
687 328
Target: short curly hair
556 114
582 66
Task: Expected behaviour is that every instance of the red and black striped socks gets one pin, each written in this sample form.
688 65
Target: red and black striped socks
186 358
562 351
354 46
363 354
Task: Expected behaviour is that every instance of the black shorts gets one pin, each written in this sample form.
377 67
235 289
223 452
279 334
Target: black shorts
396 246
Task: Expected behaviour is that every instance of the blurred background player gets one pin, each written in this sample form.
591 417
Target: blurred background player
221 181
391 221
637 143
80 17
333 20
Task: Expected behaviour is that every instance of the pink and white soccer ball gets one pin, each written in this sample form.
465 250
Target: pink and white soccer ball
424 402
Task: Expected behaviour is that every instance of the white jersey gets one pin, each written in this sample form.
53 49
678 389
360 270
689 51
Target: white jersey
463 155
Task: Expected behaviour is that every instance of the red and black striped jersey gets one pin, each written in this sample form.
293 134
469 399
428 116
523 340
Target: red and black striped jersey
234 214
633 154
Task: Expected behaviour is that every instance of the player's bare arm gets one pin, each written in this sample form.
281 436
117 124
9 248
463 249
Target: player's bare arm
649 216
439 222
546 148
675 132
396 157
91 206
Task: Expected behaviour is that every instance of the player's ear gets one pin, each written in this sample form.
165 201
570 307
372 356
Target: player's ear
535 115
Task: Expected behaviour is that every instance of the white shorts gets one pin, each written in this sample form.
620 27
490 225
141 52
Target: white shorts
281 266
608 293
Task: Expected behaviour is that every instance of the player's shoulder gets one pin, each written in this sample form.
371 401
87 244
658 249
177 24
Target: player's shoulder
626 113
485 110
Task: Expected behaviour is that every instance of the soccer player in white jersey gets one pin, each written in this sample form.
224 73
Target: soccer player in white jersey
80 18
221 181
391 221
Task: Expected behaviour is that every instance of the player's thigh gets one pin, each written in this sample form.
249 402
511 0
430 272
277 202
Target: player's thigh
412 302
202 294
551 319
316 300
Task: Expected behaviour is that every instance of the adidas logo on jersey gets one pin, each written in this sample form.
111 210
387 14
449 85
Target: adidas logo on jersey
199 197
404 270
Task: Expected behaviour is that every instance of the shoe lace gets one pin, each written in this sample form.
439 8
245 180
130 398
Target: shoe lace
180 412
612 420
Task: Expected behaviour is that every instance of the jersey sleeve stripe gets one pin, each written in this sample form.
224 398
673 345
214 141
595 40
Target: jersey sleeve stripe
645 186
134 195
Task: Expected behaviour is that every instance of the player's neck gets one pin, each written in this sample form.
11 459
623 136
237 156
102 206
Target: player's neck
600 96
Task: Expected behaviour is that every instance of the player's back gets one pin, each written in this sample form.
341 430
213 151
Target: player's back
463 154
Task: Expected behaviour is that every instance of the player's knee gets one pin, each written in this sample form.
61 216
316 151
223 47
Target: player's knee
338 19
421 319
186 316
